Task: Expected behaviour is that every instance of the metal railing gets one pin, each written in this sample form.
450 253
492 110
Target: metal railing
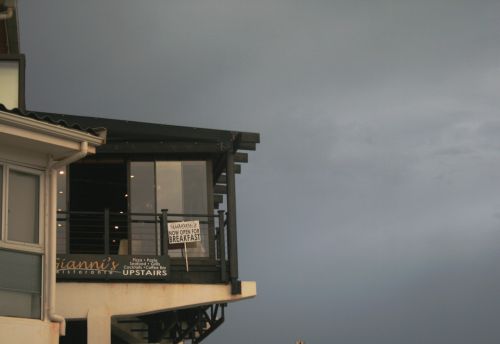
121 233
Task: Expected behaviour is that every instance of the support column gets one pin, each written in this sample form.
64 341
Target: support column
222 246
98 326
231 224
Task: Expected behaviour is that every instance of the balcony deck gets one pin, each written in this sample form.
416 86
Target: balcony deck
108 247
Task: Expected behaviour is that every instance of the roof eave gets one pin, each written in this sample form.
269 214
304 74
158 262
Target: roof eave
33 125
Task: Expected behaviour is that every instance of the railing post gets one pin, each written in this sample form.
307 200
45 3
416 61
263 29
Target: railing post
164 231
68 232
231 224
221 242
106 231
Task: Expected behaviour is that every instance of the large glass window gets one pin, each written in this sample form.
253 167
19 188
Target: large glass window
180 187
62 217
20 242
142 207
23 207
20 285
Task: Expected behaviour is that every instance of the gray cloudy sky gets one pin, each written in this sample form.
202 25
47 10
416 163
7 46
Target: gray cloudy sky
370 213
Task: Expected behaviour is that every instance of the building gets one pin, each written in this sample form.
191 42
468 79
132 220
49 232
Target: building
11 61
115 205
144 228
31 153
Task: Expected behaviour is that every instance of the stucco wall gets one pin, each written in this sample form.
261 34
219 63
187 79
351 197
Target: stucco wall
75 300
9 84
28 331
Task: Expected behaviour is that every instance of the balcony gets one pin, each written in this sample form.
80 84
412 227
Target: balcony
112 246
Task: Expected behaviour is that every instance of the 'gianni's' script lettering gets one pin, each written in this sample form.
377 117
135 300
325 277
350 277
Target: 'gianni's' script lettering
111 267
104 266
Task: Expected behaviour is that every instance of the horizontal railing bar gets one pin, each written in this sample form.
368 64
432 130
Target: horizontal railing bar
192 215
134 214
75 223
174 214
78 212
87 240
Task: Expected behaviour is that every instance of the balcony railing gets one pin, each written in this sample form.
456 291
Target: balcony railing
123 235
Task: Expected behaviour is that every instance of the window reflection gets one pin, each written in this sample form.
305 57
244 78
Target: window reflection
180 187
20 293
62 222
144 233
23 204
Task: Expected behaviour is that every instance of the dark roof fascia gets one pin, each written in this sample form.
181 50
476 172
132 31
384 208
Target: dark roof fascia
170 147
124 135
142 139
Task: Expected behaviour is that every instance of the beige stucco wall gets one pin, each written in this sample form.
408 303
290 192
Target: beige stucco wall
98 302
76 300
21 156
28 331
9 84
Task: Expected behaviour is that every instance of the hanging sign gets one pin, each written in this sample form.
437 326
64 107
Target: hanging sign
182 233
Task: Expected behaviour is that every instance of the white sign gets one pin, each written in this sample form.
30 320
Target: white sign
183 232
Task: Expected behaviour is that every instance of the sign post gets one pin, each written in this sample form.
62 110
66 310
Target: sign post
182 233
186 257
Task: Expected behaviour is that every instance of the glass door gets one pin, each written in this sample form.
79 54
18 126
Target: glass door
179 186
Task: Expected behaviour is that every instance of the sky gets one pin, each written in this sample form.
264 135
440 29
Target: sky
370 212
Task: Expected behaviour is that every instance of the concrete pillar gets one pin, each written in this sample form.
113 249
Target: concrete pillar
98 326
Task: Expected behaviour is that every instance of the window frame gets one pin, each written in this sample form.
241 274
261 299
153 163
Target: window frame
42 284
210 259
19 245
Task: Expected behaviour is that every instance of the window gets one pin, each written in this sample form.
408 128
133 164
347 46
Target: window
21 249
179 186
23 207
20 286
144 229
62 219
